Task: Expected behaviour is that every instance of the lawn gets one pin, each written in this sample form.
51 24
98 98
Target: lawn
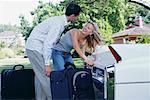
8 63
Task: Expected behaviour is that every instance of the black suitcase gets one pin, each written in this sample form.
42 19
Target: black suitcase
61 84
83 85
81 82
17 84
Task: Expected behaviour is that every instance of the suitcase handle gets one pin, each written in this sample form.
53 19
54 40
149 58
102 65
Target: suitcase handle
69 65
22 67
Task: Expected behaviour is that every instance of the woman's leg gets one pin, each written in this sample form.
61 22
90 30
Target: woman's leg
58 60
68 58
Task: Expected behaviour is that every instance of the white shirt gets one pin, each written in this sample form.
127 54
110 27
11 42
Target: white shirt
45 34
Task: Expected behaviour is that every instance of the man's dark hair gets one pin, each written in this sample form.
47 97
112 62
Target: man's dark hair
73 9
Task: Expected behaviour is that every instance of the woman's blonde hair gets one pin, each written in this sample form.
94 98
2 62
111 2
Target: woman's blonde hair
94 39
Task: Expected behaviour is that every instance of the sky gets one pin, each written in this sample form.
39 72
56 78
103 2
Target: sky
11 9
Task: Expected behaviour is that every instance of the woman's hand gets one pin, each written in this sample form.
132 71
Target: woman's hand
89 62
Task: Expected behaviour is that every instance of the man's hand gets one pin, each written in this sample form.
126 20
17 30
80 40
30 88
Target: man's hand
48 70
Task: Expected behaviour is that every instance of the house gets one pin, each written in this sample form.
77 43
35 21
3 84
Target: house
130 34
10 39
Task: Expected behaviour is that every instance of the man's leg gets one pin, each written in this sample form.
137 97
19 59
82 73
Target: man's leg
39 93
42 82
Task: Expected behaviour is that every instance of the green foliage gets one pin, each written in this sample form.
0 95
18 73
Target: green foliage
143 39
6 53
116 14
2 45
130 9
25 27
92 11
105 30
110 85
44 11
111 15
8 28
147 18
108 13
133 10
20 52
14 61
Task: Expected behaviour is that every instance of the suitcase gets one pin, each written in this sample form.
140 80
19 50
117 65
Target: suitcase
72 84
17 84
61 83
83 85
81 82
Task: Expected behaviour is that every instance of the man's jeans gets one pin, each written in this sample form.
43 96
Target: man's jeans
60 58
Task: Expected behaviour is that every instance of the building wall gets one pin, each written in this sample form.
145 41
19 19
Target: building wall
118 40
124 40
12 39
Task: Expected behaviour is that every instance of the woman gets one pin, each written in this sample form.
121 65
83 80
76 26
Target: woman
82 40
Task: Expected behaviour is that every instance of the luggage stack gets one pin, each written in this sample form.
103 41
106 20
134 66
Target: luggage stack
69 84
78 84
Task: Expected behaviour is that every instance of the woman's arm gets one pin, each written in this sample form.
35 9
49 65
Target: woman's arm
76 45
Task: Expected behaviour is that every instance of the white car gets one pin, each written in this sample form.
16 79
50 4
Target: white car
132 72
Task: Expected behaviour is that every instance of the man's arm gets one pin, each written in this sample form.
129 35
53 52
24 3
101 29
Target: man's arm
52 36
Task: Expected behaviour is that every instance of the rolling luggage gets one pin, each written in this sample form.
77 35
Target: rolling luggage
60 88
72 84
17 84
83 85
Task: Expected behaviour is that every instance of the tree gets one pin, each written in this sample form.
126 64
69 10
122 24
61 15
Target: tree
143 39
42 12
92 12
111 15
147 18
25 27
9 28
105 30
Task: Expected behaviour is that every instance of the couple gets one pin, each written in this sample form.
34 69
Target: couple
40 47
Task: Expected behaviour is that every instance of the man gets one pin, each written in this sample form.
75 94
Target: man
39 44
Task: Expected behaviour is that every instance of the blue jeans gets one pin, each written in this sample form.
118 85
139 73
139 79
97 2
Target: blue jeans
60 58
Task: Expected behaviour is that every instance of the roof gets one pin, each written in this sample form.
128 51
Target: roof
7 34
147 25
133 31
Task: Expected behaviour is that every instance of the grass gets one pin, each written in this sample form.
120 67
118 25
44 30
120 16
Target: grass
110 90
8 63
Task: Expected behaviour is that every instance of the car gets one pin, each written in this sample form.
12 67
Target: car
132 74
131 69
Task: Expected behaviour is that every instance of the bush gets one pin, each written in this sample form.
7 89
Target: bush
6 53
110 90
2 45
145 39
2 54
20 52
